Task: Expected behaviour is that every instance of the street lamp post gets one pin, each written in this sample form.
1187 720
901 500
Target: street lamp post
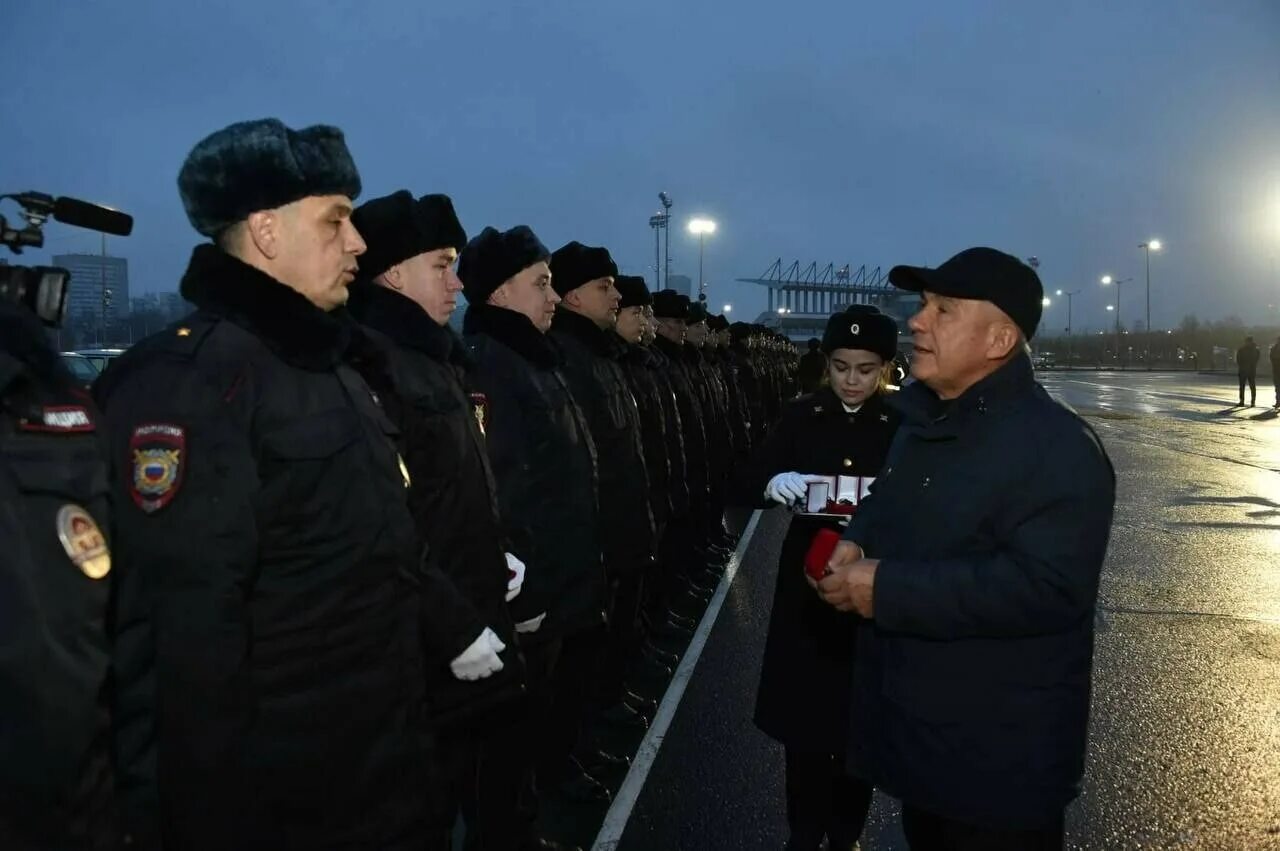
666 225
700 228
1070 339
1148 247
1107 280
1044 304
658 222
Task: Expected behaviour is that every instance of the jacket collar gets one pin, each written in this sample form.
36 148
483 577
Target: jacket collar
405 322
513 330
831 406
294 328
922 408
599 341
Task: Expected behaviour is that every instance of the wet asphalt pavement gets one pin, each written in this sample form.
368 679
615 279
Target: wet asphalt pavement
1185 738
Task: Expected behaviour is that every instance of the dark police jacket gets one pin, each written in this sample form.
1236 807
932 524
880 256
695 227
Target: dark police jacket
598 383
673 430
269 668
809 648
990 520
452 495
693 428
646 383
55 780
545 465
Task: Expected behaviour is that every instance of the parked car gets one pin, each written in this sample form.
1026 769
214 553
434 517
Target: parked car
100 357
82 368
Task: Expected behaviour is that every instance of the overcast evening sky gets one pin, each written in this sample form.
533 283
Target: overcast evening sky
845 132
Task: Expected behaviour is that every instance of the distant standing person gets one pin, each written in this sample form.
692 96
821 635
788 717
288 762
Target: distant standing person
1247 364
1275 368
813 364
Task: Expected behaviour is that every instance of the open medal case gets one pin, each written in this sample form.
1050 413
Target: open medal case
836 496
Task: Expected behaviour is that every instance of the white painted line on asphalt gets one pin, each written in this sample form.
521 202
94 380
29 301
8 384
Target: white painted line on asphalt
615 821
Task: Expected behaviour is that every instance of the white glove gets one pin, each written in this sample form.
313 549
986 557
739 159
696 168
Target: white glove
786 488
531 625
480 660
516 580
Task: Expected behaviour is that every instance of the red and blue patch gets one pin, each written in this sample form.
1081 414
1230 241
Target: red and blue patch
158 457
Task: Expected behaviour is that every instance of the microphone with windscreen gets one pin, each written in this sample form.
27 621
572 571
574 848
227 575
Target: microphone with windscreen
73 211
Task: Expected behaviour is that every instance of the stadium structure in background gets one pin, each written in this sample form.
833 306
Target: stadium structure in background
801 299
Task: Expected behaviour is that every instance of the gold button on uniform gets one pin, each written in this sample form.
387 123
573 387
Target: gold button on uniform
848 462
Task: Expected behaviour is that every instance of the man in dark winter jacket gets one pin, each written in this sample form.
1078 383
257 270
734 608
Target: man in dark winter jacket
812 366
1275 368
584 276
407 290
1247 366
55 578
269 670
544 463
977 557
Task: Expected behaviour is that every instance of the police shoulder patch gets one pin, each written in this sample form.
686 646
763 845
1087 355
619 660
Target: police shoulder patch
59 418
158 458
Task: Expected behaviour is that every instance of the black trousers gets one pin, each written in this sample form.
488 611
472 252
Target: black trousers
572 696
495 776
625 635
1252 381
823 800
927 832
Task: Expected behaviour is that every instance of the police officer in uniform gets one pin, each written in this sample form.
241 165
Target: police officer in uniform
681 541
269 668
544 463
584 277
843 429
407 290
55 776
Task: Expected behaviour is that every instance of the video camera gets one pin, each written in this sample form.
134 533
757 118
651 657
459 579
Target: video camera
43 289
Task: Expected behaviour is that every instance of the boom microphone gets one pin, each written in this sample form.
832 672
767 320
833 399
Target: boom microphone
73 211
82 214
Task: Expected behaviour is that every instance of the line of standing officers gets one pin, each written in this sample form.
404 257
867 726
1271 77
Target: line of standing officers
345 576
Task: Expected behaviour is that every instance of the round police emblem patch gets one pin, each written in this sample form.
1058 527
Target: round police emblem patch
855 328
157 451
84 542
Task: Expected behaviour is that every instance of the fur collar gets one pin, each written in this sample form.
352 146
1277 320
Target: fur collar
295 329
405 322
513 330
603 343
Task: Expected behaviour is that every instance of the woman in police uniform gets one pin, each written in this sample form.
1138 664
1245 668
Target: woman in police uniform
842 429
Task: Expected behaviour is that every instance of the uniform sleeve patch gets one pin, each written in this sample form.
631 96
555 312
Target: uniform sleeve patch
60 418
158 457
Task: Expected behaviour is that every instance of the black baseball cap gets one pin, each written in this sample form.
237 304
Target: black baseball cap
982 274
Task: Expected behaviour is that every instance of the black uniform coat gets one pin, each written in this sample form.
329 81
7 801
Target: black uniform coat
545 465
677 487
991 520
809 649
647 385
452 495
55 782
692 428
269 667
598 383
